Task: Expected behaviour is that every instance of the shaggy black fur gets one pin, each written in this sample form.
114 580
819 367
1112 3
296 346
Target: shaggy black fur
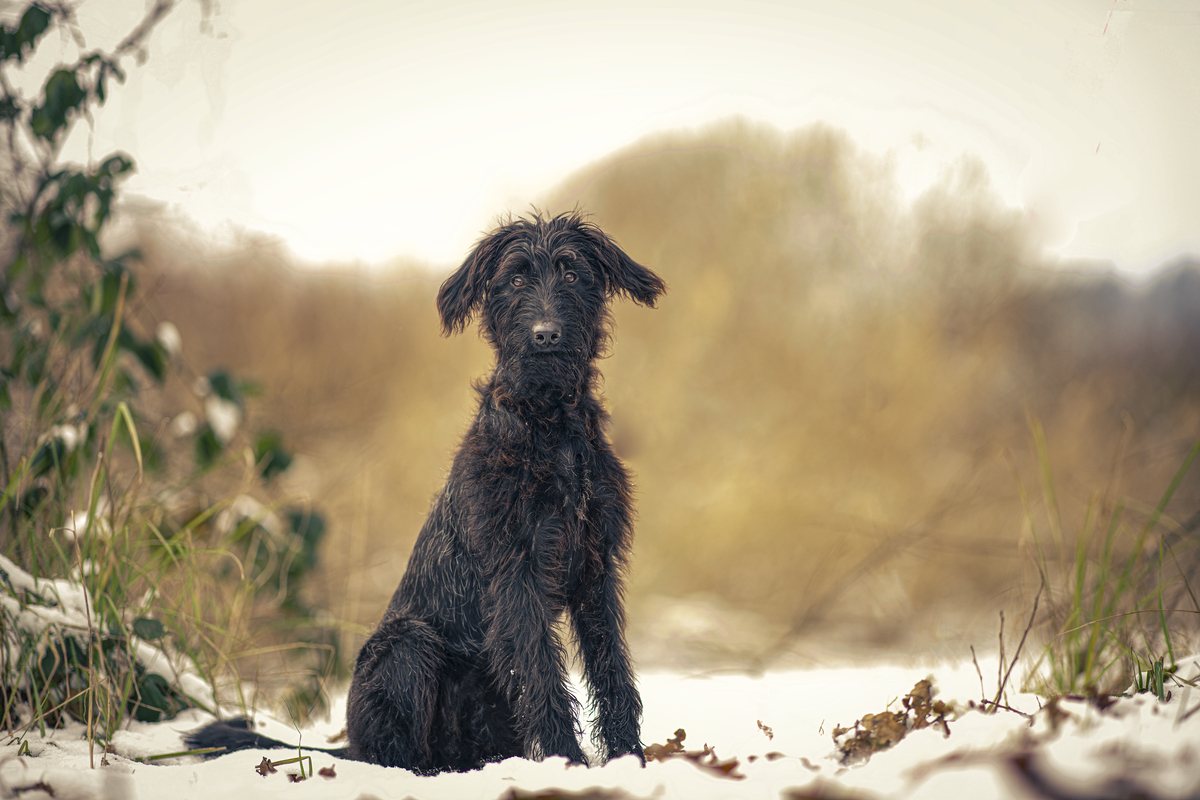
536 519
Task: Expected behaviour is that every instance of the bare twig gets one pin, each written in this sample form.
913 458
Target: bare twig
979 672
153 17
1000 666
1003 707
1017 655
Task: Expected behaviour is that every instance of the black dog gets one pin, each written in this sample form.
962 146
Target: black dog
535 519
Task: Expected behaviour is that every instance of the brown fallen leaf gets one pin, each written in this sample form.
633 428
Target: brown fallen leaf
660 752
265 767
876 732
706 758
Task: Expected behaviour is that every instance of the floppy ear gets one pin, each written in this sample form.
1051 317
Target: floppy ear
622 275
464 291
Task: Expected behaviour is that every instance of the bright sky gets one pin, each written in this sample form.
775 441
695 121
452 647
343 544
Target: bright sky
362 130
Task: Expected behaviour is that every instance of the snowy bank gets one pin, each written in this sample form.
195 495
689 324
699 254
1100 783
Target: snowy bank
778 727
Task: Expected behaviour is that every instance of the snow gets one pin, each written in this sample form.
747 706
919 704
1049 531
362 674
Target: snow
778 726
1074 748
65 601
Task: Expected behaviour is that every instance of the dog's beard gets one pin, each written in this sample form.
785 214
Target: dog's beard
553 376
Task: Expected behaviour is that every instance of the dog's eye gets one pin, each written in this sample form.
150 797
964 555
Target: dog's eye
569 277
518 280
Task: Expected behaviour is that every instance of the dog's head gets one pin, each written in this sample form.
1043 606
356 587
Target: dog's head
541 288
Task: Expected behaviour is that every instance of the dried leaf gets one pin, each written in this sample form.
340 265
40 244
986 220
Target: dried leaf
876 732
660 752
920 702
706 758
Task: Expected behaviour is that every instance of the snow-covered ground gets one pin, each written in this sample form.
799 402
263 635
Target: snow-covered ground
1071 750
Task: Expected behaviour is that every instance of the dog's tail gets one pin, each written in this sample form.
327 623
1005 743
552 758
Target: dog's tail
236 734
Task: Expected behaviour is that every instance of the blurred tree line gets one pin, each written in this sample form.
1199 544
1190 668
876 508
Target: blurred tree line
827 416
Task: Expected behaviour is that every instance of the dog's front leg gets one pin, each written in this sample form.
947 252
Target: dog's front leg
598 616
527 660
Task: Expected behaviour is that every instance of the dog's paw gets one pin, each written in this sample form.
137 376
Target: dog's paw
568 749
577 758
632 750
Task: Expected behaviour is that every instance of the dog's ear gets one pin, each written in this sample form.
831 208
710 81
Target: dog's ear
622 275
464 291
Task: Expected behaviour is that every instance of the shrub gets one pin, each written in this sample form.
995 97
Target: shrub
124 587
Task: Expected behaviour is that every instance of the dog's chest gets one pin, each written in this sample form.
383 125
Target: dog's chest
536 484
554 477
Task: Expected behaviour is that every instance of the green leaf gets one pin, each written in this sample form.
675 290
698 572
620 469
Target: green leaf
32 499
34 23
225 387
113 641
149 629
309 526
151 354
153 700
270 455
63 96
9 110
107 68
51 454
154 359
61 657
208 447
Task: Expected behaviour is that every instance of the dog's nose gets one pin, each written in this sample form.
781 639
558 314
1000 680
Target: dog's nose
547 334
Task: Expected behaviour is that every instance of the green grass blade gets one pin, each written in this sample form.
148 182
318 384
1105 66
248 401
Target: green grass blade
124 415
